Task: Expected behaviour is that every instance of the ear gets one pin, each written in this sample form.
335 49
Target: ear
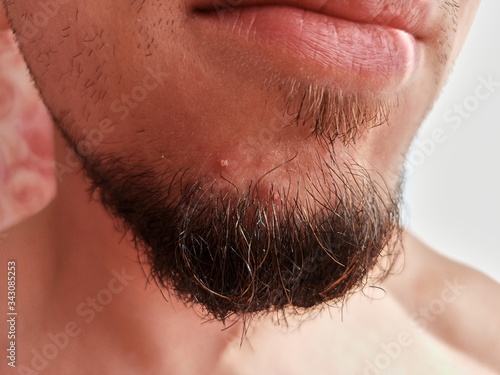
4 21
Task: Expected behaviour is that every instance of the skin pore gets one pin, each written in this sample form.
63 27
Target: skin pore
173 127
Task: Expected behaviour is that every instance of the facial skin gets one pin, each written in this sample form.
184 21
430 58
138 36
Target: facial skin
4 21
251 177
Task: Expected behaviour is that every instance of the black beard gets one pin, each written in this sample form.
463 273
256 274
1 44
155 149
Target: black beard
239 253
243 252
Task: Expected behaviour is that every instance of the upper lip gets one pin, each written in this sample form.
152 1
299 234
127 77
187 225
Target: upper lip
411 16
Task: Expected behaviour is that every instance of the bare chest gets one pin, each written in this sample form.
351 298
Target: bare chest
369 338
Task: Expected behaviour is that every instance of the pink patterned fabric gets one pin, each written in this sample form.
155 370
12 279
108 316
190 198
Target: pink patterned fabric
27 179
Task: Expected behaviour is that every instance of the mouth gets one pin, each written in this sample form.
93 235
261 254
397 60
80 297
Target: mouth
359 47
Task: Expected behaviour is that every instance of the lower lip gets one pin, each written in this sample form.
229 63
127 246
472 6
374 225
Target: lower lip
355 56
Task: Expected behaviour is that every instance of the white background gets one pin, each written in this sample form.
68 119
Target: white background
453 194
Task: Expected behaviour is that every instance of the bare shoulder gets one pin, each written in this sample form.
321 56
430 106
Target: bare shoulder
462 304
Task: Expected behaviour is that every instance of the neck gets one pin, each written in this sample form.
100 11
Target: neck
72 256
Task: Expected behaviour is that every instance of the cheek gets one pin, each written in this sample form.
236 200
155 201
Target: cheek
467 13
4 22
84 56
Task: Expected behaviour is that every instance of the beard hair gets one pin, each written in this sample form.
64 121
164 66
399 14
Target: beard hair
332 114
242 252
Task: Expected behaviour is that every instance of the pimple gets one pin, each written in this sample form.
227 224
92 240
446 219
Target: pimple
224 163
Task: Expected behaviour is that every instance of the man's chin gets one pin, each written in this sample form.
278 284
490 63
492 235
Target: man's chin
239 254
